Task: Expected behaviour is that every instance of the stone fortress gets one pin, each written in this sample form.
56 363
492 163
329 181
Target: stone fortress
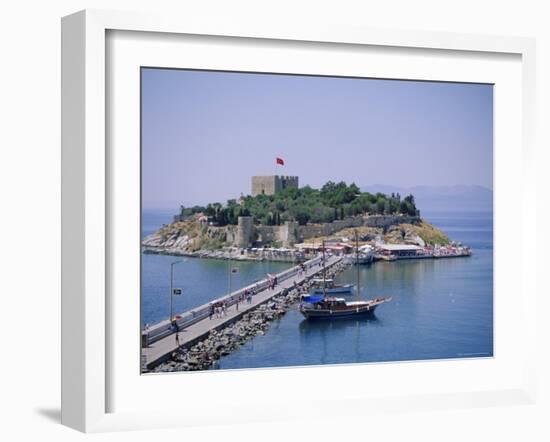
247 234
270 185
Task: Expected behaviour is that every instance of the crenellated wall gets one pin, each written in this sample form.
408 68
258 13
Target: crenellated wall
290 233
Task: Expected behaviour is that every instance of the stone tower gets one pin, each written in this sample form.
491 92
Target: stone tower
271 184
245 232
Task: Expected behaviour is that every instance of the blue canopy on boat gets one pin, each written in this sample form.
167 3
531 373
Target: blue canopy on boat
313 299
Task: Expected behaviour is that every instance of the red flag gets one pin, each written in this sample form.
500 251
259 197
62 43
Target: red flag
280 161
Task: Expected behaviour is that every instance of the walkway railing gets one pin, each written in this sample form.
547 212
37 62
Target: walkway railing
165 328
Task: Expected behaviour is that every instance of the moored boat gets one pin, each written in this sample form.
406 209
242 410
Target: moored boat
322 306
363 258
363 255
327 307
328 287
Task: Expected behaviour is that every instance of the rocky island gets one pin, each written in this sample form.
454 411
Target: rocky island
281 221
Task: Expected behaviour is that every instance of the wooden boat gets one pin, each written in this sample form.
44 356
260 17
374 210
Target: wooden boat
322 306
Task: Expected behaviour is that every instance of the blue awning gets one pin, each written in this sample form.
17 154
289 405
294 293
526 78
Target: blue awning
312 299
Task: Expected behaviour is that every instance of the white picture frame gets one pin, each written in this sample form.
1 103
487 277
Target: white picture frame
86 351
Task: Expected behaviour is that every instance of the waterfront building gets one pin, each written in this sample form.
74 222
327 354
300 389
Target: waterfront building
400 250
337 248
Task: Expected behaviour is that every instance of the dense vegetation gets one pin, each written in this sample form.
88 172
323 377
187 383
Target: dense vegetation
306 205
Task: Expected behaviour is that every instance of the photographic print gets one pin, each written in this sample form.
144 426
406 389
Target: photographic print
299 220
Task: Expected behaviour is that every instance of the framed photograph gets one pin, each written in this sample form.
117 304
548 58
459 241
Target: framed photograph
321 215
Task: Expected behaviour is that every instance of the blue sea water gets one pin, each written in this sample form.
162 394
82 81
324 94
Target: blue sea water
440 308
201 280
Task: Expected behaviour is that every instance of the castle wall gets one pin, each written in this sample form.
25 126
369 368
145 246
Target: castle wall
290 233
266 235
389 220
313 230
286 182
381 221
232 235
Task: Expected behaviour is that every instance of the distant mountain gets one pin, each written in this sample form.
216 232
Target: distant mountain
442 198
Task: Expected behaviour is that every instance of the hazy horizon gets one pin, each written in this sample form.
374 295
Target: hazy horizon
204 134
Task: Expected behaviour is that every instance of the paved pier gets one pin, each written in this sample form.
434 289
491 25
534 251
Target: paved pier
196 325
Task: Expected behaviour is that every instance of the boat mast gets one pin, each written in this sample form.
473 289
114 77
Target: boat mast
357 263
229 275
324 272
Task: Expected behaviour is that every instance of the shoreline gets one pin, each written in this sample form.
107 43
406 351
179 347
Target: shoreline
296 256
235 254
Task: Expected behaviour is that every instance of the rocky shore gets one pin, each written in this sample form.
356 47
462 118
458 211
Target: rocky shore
233 253
217 344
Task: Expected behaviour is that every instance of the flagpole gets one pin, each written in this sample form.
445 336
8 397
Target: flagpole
277 163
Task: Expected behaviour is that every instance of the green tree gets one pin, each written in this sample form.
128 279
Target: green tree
380 205
333 201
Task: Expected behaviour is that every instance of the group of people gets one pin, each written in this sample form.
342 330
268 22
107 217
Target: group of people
245 296
218 309
302 270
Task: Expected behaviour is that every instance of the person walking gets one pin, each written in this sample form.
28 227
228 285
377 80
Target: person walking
211 311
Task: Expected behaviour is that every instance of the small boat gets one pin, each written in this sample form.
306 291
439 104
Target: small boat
363 258
330 288
363 254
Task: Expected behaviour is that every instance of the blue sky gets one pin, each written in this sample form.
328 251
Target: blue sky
204 134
